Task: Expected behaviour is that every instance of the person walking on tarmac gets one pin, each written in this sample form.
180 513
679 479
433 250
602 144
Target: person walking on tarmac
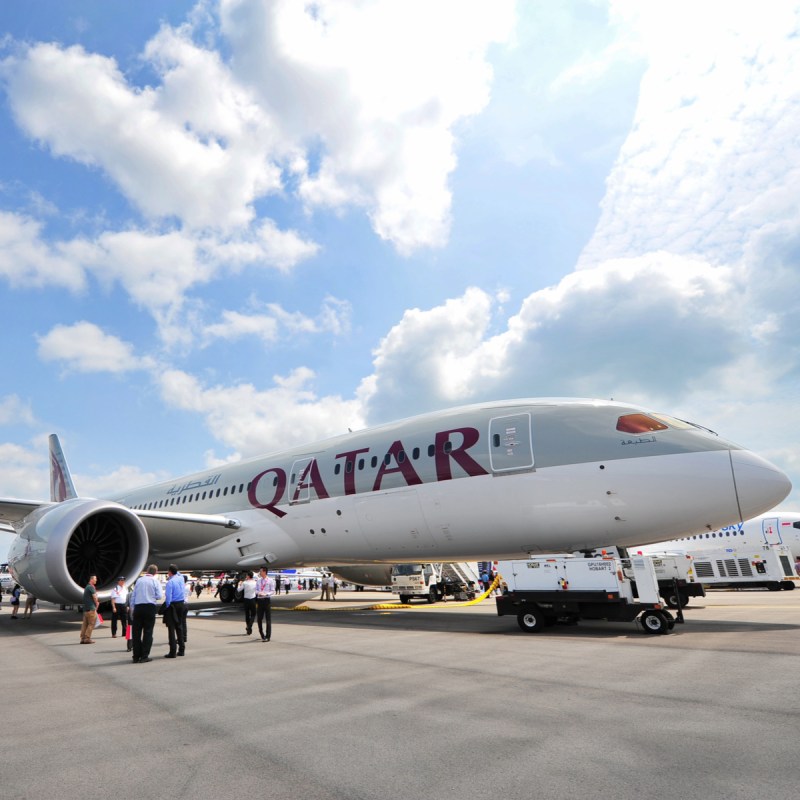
265 588
249 601
119 612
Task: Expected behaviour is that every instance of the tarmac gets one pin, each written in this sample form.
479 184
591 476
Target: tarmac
440 702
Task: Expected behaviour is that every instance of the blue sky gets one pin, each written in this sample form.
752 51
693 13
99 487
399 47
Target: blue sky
229 227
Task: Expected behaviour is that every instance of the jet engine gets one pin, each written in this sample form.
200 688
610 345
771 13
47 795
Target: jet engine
364 574
59 546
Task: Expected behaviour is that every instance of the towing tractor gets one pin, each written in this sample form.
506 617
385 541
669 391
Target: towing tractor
548 590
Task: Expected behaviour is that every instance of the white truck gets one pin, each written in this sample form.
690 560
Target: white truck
549 589
433 582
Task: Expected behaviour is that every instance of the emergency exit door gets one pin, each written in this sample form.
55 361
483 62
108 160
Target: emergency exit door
510 444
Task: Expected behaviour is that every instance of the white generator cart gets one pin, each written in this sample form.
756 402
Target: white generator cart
769 567
548 590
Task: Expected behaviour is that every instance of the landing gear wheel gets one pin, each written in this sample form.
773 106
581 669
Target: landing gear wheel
531 621
654 622
227 593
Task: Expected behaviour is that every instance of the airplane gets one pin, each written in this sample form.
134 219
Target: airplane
774 527
493 480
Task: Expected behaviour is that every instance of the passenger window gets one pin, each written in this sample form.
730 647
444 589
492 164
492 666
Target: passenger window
401 457
348 467
361 463
415 453
373 462
431 450
448 446
225 491
337 469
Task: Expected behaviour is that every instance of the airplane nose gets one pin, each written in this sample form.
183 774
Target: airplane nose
760 485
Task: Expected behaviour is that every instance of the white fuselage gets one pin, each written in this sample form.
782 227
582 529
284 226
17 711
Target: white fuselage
496 480
775 527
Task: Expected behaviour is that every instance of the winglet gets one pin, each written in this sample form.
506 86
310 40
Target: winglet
61 486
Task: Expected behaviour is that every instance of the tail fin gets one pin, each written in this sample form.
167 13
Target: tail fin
61 486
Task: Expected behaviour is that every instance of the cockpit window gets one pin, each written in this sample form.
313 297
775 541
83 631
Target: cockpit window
682 424
639 423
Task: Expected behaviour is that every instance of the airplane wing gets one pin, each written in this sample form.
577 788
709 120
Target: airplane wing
12 509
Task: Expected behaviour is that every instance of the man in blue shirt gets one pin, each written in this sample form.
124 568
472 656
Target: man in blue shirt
175 613
146 595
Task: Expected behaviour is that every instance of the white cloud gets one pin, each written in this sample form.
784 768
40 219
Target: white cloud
256 421
193 148
83 347
713 154
334 317
24 472
329 74
208 138
27 260
13 411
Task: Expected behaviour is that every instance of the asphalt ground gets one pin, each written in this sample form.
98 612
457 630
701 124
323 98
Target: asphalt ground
434 702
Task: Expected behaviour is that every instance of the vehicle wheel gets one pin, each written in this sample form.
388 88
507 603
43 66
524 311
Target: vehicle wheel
531 621
787 586
432 596
227 593
672 600
774 587
405 599
654 622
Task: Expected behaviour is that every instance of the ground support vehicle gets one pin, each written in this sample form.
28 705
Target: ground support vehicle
676 578
547 590
769 566
434 582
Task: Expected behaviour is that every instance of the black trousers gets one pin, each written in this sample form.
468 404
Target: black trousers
249 614
175 618
144 620
264 609
121 616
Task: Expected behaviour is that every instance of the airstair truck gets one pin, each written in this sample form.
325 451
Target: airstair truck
550 589
433 582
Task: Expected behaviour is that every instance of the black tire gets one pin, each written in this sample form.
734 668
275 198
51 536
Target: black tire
532 620
654 622
405 599
787 586
774 587
227 593
433 595
672 600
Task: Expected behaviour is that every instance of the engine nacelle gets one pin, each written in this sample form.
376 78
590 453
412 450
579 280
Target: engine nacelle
364 574
59 546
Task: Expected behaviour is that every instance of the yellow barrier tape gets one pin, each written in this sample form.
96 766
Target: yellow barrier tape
396 606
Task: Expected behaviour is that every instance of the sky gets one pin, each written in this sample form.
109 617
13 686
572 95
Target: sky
233 226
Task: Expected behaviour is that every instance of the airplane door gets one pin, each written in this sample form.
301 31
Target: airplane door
771 530
299 486
510 446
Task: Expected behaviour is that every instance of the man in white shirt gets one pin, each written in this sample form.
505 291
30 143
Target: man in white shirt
249 600
265 588
119 594
147 593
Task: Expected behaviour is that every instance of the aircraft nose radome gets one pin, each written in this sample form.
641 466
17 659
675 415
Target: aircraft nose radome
760 485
